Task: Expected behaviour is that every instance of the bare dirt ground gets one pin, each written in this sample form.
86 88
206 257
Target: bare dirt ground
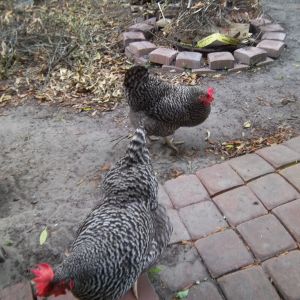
52 159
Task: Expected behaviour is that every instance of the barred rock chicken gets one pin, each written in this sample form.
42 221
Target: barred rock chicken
162 107
122 237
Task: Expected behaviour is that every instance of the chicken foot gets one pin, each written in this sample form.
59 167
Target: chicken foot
170 143
135 290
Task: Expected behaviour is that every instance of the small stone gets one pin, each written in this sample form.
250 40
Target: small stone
163 22
141 48
131 36
220 60
271 28
163 56
250 55
190 60
266 236
278 36
251 283
135 8
273 48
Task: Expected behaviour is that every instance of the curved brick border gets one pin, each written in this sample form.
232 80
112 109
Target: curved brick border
141 51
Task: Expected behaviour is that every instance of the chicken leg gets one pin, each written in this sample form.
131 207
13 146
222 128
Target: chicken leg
172 144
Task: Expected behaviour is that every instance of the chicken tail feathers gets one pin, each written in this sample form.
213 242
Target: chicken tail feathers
137 150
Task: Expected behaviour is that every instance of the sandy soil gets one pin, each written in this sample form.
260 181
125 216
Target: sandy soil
51 158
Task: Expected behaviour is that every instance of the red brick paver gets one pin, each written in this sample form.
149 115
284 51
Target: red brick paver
141 48
248 284
205 290
163 197
266 236
202 219
223 252
186 269
278 36
220 60
189 59
239 205
219 178
179 231
285 273
163 56
292 174
250 166
273 190
146 29
19 291
294 144
185 190
273 48
279 155
271 28
131 36
289 215
250 55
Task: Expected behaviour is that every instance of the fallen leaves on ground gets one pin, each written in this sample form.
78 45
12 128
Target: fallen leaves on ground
43 236
182 294
63 52
234 148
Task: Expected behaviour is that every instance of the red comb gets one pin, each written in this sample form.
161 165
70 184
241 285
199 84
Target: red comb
44 276
210 92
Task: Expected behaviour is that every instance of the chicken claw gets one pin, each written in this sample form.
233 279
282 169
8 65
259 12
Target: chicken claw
153 138
172 144
135 290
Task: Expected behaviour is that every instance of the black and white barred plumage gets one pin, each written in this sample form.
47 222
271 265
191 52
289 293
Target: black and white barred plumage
162 107
124 235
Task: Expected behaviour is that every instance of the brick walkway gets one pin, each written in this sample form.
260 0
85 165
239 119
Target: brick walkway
243 217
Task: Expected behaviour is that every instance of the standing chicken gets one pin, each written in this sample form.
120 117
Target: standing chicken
162 107
122 237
